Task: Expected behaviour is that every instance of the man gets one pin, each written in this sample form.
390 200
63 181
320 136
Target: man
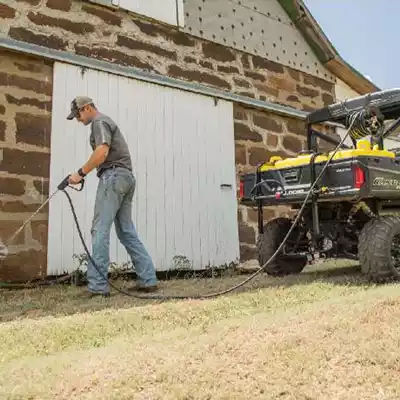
114 196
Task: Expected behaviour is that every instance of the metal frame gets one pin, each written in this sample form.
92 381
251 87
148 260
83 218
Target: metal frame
312 147
109 3
312 135
131 72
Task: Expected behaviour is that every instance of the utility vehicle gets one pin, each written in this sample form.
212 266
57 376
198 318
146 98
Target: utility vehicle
353 211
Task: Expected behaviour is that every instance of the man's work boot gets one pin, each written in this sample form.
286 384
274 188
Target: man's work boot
146 289
90 295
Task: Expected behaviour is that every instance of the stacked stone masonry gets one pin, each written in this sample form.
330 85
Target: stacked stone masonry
25 128
83 28
95 31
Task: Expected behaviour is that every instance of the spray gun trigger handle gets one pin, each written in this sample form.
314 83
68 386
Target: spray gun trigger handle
82 182
64 183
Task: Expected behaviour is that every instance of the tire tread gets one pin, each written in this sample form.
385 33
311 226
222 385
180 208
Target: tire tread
374 248
267 243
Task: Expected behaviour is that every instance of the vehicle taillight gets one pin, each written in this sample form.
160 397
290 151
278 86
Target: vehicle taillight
241 188
359 177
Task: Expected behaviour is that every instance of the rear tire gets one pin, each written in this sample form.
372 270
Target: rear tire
375 252
267 243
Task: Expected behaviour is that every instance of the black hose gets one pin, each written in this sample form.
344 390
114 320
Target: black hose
362 124
210 295
231 289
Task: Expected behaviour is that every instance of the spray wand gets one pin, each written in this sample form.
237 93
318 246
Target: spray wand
65 183
62 186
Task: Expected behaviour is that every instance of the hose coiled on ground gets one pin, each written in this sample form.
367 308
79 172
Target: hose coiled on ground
222 292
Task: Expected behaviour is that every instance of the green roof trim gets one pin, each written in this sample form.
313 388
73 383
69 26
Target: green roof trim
319 43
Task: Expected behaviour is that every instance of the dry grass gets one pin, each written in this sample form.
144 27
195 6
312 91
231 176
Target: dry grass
325 334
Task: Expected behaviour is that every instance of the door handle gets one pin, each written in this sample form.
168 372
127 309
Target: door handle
226 185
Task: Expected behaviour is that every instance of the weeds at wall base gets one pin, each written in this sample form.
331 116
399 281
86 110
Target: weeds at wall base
183 269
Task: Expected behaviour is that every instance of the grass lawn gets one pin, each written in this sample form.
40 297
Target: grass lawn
324 334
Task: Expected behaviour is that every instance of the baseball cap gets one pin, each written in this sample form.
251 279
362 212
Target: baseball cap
76 104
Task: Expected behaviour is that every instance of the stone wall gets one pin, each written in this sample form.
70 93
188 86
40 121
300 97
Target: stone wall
83 28
86 29
25 127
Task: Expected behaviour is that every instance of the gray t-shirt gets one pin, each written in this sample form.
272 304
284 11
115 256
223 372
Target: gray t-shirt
105 130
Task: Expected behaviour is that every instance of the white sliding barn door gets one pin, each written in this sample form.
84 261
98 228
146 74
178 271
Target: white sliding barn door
182 149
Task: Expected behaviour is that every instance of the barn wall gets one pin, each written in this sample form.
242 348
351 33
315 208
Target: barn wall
86 29
258 27
90 30
25 127
180 209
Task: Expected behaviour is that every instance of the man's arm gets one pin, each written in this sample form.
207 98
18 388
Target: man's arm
97 157
102 137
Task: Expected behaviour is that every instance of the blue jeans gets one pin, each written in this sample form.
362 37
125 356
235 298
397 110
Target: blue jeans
114 204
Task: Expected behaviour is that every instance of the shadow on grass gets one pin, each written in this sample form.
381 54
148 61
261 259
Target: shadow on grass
64 299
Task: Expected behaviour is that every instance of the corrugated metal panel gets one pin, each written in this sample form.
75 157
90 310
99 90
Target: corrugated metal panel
182 149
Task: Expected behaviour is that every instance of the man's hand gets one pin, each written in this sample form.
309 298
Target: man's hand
74 179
